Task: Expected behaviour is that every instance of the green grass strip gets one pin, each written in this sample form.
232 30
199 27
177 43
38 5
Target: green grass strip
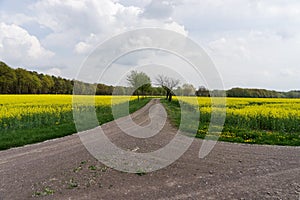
15 137
232 132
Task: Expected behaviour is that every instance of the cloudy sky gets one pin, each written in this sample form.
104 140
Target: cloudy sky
253 43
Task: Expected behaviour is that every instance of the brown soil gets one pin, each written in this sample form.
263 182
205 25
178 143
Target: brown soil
64 169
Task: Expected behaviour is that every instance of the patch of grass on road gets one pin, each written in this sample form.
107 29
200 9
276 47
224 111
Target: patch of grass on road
46 191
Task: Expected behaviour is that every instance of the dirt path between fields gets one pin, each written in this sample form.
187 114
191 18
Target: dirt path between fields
64 169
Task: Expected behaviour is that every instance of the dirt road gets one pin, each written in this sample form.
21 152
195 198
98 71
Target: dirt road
64 169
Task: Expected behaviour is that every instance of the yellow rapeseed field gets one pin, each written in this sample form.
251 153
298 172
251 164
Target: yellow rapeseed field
255 113
27 111
253 120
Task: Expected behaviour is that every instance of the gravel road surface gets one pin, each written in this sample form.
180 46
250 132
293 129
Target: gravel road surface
63 169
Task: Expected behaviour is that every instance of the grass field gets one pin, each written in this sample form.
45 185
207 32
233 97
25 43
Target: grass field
249 120
26 119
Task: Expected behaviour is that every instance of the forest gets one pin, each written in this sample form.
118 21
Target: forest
21 81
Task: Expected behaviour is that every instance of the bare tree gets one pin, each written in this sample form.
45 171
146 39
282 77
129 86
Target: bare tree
168 84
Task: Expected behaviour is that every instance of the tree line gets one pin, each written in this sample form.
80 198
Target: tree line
248 93
21 81
168 86
261 93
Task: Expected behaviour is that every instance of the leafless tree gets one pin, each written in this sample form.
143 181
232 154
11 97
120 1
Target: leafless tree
168 84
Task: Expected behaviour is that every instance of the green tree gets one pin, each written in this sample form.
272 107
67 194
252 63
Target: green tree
188 90
47 83
157 91
23 81
7 78
139 81
119 90
203 92
59 85
103 89
35 84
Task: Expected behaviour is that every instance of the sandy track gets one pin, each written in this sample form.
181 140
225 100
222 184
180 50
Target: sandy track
231 171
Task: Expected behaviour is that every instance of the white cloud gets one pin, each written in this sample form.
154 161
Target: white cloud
85 46
158 9
53 71
17 46
235 15
256 59
173 26
72 29
253 42
136 3
73 22
18 18
279 9
82 48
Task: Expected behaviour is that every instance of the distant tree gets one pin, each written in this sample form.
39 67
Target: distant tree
168 84
35 84
69 86
293 94
159 91
254 93
119 90
79 88
217 93
47 83
7 79
202 92
178 91
91 88
188 89
139 81
58 85
23 81
103 89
